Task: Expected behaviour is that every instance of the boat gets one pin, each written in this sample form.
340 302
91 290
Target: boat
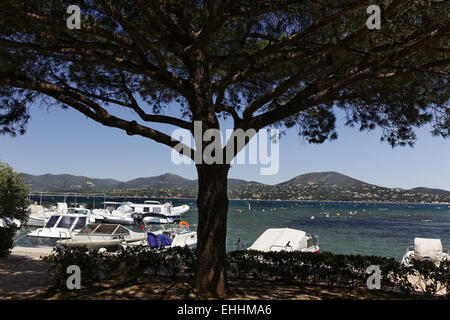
115 213
286 239
38 214
58 227
179 235
150 212
155 212
102 235
153 218
425 249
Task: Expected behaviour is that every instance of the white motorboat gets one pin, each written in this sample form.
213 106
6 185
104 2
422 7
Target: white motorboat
39 215
150 212
155 212
103 235
286 239
58 227
425 250
115 213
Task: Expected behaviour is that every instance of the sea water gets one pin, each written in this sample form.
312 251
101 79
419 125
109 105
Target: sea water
384 229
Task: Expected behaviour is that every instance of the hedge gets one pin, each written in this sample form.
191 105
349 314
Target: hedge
336 270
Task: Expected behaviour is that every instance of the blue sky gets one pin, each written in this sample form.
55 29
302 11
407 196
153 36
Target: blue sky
64 141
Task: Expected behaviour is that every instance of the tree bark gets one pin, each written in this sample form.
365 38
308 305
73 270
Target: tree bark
212 203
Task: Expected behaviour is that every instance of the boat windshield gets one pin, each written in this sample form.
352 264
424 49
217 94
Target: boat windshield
51 222
66 222
80 223
105 228
122 230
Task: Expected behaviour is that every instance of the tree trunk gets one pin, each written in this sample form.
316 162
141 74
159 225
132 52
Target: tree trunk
212 203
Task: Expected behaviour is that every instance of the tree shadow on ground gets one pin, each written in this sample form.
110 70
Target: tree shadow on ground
22 278
162 288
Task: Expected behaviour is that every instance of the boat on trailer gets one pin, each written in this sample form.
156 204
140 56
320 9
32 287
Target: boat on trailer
103 235
425 249
286 239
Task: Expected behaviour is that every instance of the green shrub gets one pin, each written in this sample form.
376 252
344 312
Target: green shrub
6 240
62 257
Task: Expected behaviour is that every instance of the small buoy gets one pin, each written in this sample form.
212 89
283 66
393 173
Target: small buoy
338 214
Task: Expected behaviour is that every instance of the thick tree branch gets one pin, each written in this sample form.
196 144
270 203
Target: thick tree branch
93 110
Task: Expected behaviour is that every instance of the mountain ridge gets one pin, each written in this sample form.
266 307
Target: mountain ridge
324 177
68 182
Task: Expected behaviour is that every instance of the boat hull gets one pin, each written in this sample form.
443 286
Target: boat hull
39 241
116 220
35 221
91 245
160 220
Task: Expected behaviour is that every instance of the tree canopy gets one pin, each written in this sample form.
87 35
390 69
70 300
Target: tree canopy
260 62
13 194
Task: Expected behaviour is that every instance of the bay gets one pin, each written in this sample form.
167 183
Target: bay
384 229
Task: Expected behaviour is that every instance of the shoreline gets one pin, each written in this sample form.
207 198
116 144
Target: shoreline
278 200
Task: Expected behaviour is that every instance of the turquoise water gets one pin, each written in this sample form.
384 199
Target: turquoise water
365 228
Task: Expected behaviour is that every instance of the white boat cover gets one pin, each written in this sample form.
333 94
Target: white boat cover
276 239
62 207
428 248
36 209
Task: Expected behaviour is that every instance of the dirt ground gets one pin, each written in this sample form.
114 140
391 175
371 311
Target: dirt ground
158 288
24 276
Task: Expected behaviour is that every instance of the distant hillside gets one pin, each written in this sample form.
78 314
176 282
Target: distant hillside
165 180
71 183
316 186
67 182
438 192
324 178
